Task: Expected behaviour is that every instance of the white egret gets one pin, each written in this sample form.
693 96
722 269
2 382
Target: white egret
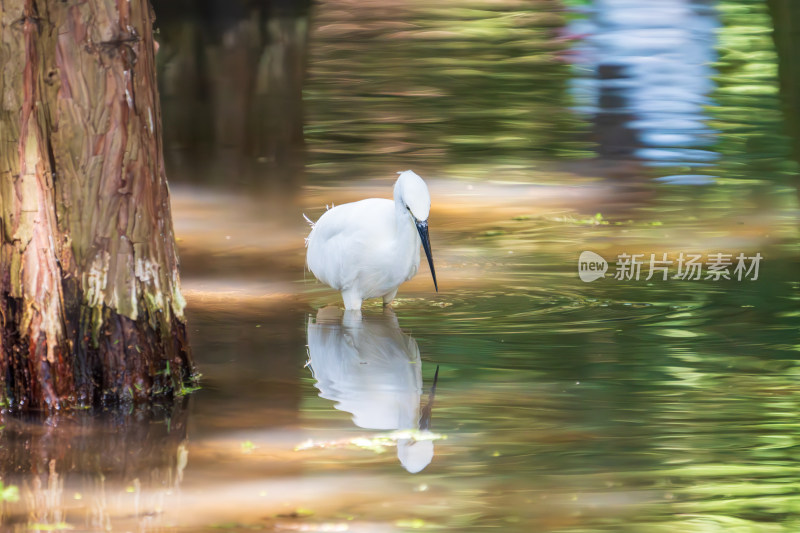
367 249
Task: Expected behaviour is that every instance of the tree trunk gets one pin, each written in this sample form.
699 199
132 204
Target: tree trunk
89 291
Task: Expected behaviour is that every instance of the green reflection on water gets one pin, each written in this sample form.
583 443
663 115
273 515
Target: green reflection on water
667 406
430 83
748 114
613 406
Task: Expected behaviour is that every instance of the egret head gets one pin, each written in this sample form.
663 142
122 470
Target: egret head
412 191
411 194
414 455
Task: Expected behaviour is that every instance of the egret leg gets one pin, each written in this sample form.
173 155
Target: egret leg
388 297
352 300
352 318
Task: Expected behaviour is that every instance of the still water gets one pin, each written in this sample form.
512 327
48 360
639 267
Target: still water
518 398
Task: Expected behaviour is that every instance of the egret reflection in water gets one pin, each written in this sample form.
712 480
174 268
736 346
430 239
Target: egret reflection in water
372 370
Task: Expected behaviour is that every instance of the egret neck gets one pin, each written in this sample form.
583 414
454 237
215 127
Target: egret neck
411 212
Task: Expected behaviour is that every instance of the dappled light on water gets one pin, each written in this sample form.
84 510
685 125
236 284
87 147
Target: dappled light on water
518 398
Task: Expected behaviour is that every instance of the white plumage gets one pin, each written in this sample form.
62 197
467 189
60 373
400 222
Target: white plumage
367 249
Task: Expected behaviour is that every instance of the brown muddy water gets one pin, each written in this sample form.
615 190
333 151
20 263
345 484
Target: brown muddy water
617 405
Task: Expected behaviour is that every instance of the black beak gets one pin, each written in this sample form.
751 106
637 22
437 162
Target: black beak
425 416
422 228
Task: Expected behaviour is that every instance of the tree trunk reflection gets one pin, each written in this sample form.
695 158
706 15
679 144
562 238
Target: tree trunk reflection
231 76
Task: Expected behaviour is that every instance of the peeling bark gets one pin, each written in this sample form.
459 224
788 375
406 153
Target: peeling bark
89 289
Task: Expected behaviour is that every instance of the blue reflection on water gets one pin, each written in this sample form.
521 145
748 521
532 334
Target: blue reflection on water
644 75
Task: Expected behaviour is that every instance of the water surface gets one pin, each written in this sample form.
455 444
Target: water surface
560 406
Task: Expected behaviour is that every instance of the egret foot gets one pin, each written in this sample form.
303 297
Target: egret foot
388 297
352 300
352 318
